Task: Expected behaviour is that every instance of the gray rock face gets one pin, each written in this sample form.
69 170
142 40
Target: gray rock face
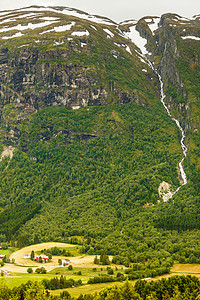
164 49
40 74
41 80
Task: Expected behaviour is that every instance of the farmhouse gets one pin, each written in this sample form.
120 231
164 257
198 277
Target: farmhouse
43 257
7 273
65 262
2 256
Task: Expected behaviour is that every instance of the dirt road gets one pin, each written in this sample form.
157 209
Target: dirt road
21 263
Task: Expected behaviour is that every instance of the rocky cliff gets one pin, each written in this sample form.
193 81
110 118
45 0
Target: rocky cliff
166 39
62 57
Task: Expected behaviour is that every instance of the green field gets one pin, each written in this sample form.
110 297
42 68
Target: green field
16 279
19 278
86 289
7 252
70 251
84 271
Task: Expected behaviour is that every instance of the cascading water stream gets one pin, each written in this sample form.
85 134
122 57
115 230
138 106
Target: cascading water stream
135 37
184 148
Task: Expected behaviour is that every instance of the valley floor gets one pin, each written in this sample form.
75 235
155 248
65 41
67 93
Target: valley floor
83 263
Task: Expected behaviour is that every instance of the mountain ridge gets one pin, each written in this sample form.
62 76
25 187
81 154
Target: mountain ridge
80 104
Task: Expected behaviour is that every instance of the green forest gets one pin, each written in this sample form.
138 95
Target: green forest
173 288
94 173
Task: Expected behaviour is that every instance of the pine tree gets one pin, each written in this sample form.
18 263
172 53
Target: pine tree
32 255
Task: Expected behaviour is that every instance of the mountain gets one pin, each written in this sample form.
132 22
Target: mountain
99 128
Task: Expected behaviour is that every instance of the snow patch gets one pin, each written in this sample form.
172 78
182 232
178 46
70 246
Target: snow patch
109 32
60 28
141 57
18 34
154 25
46 31
64 27
58 43
191 37
183 18
135 37
23 46
25 27
83 44
7 21
70 12
50 19
80 33
21 17
128 49
119 45
128 22
93 27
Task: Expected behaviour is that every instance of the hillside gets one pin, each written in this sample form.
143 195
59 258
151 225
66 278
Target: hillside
86 143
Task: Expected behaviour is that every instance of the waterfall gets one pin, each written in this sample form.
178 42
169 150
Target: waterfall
135 37
184 148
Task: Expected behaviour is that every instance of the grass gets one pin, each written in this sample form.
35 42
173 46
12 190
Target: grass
75 251
7 252
19 255
84 271
72 251
96 288
186 268
19 278
86 289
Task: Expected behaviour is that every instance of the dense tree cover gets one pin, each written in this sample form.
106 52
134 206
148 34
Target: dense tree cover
73 160
173 288
184 213
102 260
95 172
102 279
30 290
41 270
56 251
60 283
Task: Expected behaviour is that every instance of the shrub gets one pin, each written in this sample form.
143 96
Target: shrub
30 270
110 272
41 270
65 295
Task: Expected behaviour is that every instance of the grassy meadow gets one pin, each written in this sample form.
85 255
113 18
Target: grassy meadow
78 272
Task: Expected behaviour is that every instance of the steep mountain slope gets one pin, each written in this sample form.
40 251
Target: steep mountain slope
173 47
91 146
61 59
